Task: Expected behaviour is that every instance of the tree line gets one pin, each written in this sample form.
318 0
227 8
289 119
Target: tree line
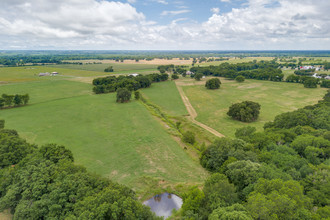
44 183
282 172
7 101
263 70
112 83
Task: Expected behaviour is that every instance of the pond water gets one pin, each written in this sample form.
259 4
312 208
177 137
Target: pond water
163 204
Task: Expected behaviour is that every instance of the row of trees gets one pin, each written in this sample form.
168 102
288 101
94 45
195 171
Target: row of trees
282 172
262 70
44 183
7 101
307 81
112 83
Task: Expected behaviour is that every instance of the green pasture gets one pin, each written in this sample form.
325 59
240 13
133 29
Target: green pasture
121 141
27 74
236 60
274 97
166 95
118 67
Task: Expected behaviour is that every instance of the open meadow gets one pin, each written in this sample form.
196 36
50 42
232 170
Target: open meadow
274 97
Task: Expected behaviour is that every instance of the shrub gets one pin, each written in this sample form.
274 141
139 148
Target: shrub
213 83
240 78
198 76
188 137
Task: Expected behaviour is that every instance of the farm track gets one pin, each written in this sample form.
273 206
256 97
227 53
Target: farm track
193 114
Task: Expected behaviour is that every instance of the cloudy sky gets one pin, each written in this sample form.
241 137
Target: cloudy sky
165 24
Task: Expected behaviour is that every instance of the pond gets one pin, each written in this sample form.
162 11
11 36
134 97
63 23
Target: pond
163 204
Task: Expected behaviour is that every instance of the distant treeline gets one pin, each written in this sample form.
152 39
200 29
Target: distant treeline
19 58
7 101
112 83
263 70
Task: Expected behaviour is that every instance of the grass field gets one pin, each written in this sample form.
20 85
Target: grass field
120 141
166 96
118 67
274 98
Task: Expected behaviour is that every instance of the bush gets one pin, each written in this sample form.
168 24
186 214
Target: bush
213 83
188 137
325 83
123 95
137 95
246 111
240 79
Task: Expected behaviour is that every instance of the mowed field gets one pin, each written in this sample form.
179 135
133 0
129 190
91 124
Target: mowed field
274 97
117 67
166 96
121 141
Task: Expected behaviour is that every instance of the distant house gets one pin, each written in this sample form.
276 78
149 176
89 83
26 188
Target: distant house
316 76
189 73
54 73
44 74
134 74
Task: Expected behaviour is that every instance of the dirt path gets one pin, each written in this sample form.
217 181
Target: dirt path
193 113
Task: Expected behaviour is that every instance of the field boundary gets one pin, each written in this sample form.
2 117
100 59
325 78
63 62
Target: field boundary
193 114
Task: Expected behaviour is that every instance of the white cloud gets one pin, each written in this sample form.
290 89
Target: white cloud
215 10
164 2
174 12
100 24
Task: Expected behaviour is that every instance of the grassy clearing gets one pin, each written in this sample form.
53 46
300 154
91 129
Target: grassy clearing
274 98
120 141
166 95
5 215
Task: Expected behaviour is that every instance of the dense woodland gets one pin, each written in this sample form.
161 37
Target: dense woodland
280 173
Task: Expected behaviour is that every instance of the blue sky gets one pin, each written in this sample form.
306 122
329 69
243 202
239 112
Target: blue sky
165 24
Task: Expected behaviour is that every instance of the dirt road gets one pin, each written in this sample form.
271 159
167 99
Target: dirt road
193 113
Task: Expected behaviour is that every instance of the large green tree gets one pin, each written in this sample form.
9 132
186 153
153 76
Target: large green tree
246 111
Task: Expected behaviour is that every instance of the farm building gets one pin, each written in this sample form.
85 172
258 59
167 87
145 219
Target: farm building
44 74
54 73
189 73
134 74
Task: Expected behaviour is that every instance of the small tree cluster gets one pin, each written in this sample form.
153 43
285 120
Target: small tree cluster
213 83
175 76
311 83
13 100
246 111
108 69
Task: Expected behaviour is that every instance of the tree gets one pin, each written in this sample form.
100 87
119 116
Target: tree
2 102
123 95
108 69
175 76
310 83
8 99
246 111
17 99
234 212
240 78
213 83
276 199
25 99
198 76
2 124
